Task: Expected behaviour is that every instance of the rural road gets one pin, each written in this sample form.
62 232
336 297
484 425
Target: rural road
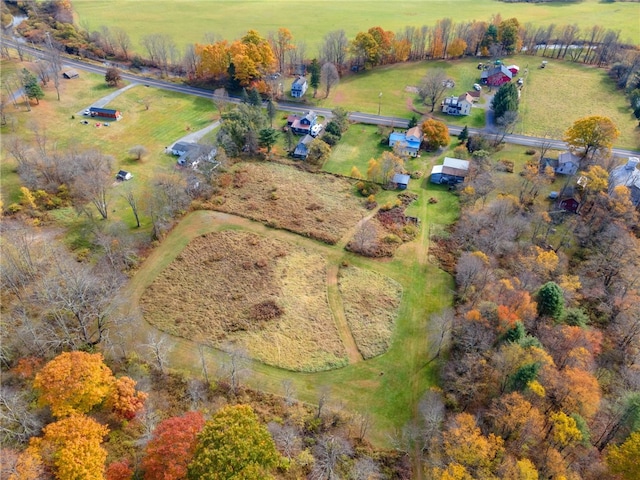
354 116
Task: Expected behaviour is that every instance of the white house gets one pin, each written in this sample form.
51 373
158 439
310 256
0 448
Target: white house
298 87
457 105
629 176
568 163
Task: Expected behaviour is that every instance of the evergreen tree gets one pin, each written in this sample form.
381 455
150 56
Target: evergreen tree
31 86
505 100
413 121
272 110
314 71
550 300
254 97
244 96
267 137
464 134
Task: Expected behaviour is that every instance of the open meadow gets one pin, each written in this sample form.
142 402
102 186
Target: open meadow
317 206
189 20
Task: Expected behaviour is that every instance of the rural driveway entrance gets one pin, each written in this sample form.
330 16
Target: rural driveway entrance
196 136
104 101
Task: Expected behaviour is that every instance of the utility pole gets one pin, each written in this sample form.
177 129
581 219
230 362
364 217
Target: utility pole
379 100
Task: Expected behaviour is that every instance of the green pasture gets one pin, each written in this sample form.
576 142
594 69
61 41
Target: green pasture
187 21
556 96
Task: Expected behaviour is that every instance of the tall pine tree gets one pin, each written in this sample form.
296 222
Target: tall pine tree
505 100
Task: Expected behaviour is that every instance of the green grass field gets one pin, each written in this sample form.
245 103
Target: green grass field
187 21
356 147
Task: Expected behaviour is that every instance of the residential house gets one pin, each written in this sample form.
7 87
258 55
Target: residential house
629 176
401 181
514 69
302 149
105 113
566 164
298 87
302 125
496 76
475 95
452 171
409 141
193 153
457 105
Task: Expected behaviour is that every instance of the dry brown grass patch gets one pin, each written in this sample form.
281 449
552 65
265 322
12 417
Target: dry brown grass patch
371 304
315 205
262 295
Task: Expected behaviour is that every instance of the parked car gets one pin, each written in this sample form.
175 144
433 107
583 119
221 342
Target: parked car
477 87
316 129
87 112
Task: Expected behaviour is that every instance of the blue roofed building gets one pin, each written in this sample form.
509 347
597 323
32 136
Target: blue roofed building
408 142
298 87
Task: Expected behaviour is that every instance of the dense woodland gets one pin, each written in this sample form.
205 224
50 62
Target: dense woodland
539 357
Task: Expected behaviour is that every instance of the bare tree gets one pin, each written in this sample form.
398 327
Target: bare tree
329 77
364 240
203 363
168 197
506 125
236 368
439 333
17 422
432 87
54 63
365 468
93 182
289 391
330 452
158 348
335 47
162 50
122 40
287 438
137 152
324 393
132 200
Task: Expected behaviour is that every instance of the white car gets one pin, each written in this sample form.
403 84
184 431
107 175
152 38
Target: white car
316 129
476 86
87 112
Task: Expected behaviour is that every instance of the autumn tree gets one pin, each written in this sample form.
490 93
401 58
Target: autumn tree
365 49
120 470
591 134
623 459
213 59
432 87
124 399
71 447
113 77
233 444
456 48
281 43
318 152
172 446
436 134
74 383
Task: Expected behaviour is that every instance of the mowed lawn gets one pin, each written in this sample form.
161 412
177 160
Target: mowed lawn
187 21
357 146
556 96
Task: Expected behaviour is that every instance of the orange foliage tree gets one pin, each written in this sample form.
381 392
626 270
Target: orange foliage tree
125 401
436 134
172 447
74 382
71 447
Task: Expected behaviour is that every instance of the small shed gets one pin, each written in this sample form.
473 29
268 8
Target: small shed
401 181
123 175
302 149
71 73
570 205
105 113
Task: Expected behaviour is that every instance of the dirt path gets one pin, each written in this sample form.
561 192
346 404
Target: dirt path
337 309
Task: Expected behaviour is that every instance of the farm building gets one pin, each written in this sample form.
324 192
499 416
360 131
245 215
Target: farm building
566 164
123 175
452 171
298 87
496 76
514 69
302 125
629 176
302 149
71 73
570 205
401 181
105 113
457 105
409 141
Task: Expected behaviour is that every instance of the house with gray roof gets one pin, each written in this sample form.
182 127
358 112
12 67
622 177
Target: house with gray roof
629 176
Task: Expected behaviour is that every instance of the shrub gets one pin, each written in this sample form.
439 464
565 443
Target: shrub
417 174
14 208
530 151
391 238
330 139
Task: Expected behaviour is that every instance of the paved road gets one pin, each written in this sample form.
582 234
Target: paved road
354 116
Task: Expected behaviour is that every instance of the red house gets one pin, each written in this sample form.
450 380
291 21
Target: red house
496 76
570 205
105 113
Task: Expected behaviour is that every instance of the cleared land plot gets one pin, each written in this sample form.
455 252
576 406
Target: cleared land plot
317 206
371 303
231 18
262 295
